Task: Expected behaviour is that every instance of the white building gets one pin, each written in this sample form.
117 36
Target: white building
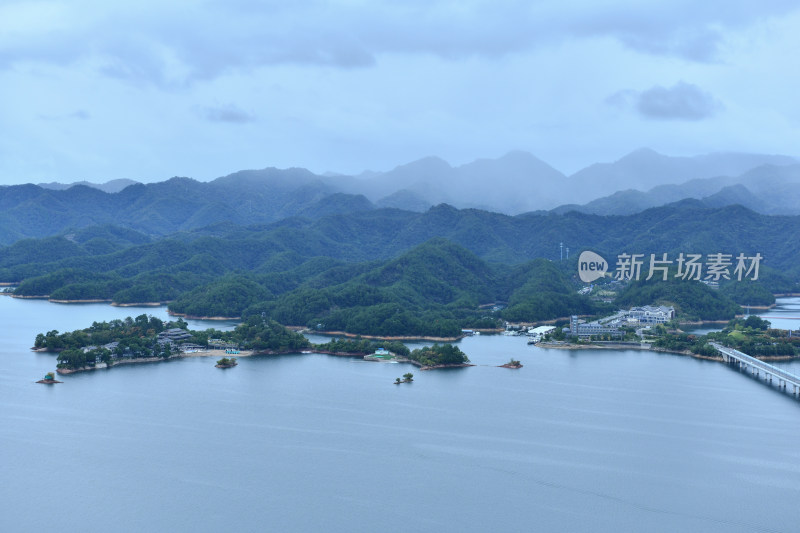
649 314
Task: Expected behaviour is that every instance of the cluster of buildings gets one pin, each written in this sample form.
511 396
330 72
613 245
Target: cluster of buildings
175 338
611 326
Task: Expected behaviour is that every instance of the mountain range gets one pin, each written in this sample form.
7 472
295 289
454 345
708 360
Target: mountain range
515 183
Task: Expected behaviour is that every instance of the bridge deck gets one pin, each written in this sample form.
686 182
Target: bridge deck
730 353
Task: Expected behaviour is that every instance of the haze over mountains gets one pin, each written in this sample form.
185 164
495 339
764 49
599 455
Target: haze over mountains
515 183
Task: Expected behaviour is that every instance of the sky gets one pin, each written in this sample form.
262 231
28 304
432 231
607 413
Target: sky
146 90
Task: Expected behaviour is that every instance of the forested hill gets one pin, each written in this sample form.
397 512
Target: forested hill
434 289
385 233
158 209
422 272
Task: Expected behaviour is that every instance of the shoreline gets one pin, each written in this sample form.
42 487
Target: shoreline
143 360
434 367
139 304
88 301
378 337
617 346
196 317
649 348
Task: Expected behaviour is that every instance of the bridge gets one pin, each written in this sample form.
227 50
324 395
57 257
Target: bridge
757 367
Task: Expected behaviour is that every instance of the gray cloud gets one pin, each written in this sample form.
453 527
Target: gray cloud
683 101
170 45
228 113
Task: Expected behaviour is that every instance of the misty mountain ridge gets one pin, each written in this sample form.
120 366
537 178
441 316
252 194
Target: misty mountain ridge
515 183
109 186
767 189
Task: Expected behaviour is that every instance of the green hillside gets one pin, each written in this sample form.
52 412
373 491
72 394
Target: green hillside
391 270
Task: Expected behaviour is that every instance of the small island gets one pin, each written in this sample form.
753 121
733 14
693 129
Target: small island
367 349
407 378
513 363
49 379
226 362
438 356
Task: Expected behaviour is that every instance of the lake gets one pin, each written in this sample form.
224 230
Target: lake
589 440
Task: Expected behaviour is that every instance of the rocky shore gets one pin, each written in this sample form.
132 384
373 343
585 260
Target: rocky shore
196 317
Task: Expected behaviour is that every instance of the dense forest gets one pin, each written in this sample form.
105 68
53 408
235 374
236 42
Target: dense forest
692 300
392 272
439 354
362 346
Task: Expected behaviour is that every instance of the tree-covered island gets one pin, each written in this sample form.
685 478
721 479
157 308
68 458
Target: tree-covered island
226 362
361 347
438 356
147 338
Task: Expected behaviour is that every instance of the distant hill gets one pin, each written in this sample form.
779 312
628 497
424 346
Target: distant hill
178 204
515 183
767 189
644 169
109 186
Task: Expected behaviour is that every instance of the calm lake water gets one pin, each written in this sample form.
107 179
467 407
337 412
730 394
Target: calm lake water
586 440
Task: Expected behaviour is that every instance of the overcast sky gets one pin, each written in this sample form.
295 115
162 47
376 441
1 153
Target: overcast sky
150 89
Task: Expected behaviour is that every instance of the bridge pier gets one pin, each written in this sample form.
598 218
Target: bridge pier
744 362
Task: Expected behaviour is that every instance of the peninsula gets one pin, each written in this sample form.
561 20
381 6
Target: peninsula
752 335
146 339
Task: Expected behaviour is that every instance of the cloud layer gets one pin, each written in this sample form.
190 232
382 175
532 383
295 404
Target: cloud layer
150 89
178 42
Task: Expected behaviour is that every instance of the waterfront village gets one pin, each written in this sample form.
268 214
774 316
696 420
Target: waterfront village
147 338
616 326
177 340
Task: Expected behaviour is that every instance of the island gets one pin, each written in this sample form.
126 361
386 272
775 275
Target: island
513 363
368 349
438 356
49 379
147 339
226 362
407 378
